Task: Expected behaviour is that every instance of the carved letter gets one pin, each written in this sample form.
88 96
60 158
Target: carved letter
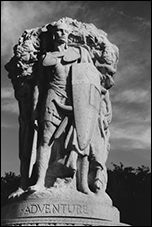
47 208
27 210
85 209
41 209
71 208
64 205
55 208
79 209
33 211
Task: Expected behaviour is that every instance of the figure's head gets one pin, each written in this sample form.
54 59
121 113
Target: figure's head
61 32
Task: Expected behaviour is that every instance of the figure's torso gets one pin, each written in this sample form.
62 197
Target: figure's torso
60 72
60 63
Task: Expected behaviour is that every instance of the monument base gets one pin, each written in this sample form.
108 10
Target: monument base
60 222
60 207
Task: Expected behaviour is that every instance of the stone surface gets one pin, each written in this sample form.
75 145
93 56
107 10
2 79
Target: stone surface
60 222
61 74
54 207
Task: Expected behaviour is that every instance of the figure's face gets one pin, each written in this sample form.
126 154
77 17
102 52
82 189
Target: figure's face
61 33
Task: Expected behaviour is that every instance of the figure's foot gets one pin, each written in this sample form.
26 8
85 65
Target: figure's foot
17 193
36 187
85 189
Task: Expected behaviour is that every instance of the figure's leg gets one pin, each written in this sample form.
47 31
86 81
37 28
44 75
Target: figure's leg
43 156
72 161
83 175
100 182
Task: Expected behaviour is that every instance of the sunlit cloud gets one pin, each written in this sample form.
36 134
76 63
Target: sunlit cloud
8 102
138 136
128 114
6 125
7 92
132 96
18 16
10 106
143 23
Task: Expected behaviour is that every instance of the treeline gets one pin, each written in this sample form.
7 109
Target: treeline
129 189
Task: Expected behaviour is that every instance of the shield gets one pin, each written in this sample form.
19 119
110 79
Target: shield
86 101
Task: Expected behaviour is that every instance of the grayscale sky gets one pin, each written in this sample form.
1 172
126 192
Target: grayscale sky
128 26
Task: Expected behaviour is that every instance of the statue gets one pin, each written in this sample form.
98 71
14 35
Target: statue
61 75
23 72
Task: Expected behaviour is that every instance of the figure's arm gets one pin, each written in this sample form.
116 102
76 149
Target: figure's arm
48 59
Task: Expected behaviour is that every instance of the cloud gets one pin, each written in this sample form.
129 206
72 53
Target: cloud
10 106
6 125
143 24
131 106
132 136
131 114
132 96
134 66
7 92
145 136
9 103
18 16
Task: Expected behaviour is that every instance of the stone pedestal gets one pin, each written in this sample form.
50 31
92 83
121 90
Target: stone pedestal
60 208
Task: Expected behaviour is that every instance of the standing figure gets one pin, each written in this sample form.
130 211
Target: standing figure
57 100
22 72
66 92
73 112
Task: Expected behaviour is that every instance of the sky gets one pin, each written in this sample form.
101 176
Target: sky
128 25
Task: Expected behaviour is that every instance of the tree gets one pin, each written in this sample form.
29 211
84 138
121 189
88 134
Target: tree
130 191
9 183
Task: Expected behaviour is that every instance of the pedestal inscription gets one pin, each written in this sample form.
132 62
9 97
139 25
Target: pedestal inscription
49 209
